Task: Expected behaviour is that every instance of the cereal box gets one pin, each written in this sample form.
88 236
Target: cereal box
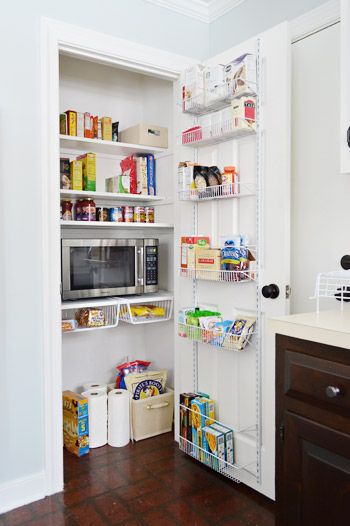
76 175
228 433
186 416
202 415
63 124
215 445
89 171
75 423
71 122
106 123
208 259
189 245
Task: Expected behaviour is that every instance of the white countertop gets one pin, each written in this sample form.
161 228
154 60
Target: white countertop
331 327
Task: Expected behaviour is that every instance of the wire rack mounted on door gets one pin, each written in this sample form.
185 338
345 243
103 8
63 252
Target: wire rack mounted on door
196 137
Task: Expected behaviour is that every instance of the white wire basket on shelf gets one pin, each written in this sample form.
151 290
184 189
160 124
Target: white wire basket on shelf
334 285
208 101
218 132
223 191
147 308
99 314
223 276
230 342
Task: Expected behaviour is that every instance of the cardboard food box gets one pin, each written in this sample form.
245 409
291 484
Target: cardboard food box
145 134
228 434
71 122
240 74
63 124
243 110
65 173
80 124
75 423
193 89
106 124
186 416
208 259
202 416
89 171
215 445
76 174
88 132
189 245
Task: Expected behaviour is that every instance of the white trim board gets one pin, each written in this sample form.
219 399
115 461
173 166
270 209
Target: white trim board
22 491
319 18
204 11
98 47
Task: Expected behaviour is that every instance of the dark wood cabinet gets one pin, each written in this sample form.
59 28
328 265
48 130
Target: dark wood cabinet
312 433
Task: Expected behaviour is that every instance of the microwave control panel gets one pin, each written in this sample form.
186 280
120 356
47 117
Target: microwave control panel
151 265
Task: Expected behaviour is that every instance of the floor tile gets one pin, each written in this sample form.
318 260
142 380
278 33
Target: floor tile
111 509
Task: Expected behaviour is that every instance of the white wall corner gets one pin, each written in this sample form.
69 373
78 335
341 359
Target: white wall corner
22 491
315 20
203 10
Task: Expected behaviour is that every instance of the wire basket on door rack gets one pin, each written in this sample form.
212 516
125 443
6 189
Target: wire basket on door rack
223 276
228 341
222 191
218 132
146 310
335 285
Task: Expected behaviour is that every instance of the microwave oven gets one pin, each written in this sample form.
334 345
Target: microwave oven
95 268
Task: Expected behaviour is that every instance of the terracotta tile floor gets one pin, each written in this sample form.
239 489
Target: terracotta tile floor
150 482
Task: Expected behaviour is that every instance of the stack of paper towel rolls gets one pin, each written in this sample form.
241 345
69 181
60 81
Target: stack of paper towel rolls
117 414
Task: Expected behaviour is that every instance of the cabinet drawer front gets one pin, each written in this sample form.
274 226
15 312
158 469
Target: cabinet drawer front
318 381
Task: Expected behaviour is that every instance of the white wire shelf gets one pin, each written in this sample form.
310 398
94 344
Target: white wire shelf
334 285
223 191
230 342
223 276
226 130
109 196
110 314
162 301
208 101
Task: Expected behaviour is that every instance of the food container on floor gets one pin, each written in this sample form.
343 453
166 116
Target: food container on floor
152 416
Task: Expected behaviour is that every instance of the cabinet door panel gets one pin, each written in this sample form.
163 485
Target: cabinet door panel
316 465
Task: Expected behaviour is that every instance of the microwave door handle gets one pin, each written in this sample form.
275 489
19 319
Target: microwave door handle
139 265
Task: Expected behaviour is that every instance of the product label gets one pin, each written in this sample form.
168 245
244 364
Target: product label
148 388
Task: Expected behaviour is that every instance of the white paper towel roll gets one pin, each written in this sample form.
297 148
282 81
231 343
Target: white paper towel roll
97 405
96 386
118 417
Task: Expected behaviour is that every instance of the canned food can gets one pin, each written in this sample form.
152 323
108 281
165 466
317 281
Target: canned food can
149 214
128 214
101 213
116 214
139 214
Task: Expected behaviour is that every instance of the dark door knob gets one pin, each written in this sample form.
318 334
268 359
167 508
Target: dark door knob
271 291
345 262
348 136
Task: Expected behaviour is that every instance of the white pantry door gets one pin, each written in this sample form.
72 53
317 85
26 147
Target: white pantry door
242 384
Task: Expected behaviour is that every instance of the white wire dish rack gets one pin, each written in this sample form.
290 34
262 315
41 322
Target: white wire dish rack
334 285
208 101
214 133
223 276
147 308
108 313
223 191
230 342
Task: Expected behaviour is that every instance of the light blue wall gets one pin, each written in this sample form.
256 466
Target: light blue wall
21 347
253 17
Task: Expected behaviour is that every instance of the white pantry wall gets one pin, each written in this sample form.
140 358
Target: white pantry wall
320 195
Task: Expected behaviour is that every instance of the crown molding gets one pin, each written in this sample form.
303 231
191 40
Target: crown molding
319 18
204 11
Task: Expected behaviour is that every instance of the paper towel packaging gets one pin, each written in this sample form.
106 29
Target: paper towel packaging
97 407
118 417
96 386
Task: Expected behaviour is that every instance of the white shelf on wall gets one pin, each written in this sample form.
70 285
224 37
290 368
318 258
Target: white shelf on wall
109 196
161 299
84 144
112 224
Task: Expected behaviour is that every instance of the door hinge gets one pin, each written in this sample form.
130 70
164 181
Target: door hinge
288 291
281 431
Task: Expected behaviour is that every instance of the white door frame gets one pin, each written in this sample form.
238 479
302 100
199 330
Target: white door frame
90 45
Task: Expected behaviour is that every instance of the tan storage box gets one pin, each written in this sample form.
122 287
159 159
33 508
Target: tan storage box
152 416
145 134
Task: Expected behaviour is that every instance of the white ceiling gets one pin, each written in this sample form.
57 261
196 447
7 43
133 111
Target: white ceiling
203 10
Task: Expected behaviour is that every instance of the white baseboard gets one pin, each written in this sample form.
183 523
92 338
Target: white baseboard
22 491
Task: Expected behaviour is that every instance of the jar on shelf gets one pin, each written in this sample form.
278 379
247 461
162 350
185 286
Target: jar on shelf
66 210
230 181
85 210
149 214
128 214
139 214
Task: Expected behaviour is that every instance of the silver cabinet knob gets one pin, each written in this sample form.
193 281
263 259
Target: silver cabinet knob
332 391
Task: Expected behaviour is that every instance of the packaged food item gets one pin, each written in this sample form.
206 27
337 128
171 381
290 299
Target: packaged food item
75 423
128 214
182 322
115 131
230 181
244 113
186 415
85 210
218 332
68 325
66 207
128 168
214 83
63 124
80 124
185 176
147 311
139 214
106 123
228 434
95 127
88 131
91 317
146 384
141 175
76 175
71 122
116 214
231 260
149 214
136 366
151 174
240 333
65 173
99 129
189 245
215 446
240 74
193 88
208 259
202 415
102 213
89 171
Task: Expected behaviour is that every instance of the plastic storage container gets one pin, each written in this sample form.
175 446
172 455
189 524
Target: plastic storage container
152 416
